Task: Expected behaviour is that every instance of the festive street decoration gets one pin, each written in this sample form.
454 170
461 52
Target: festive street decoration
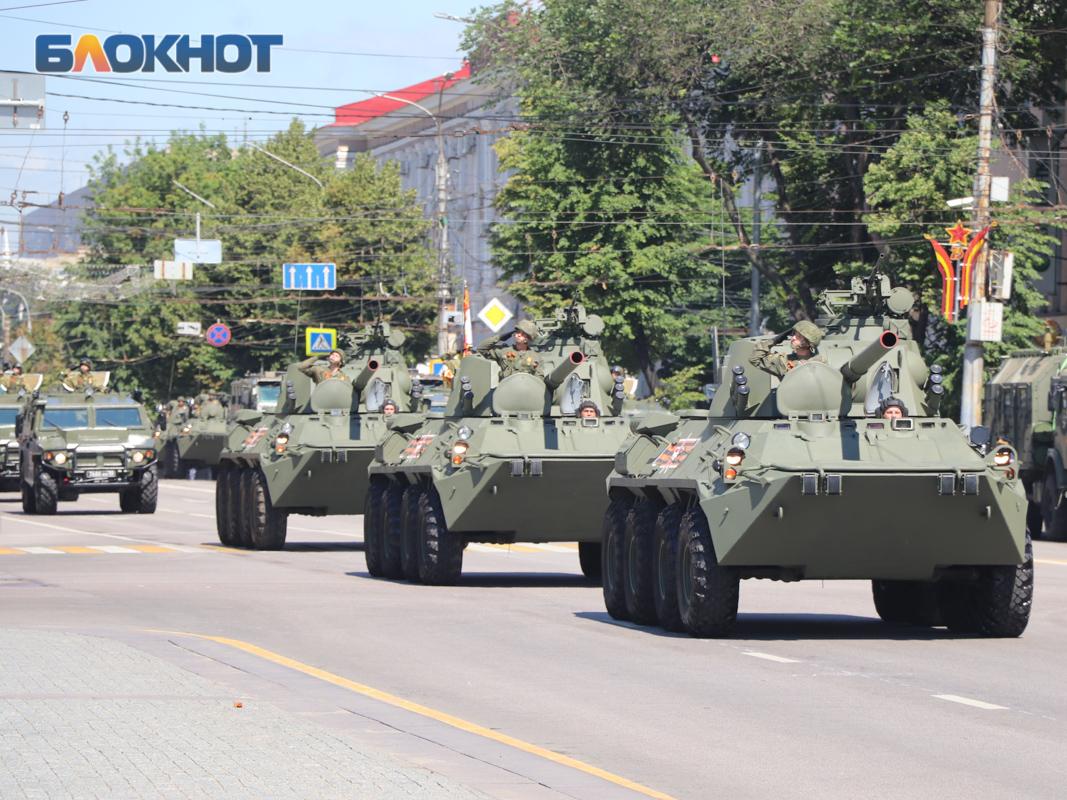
956 264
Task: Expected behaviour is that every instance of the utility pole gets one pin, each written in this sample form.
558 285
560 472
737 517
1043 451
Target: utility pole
973 364
757 201
444 279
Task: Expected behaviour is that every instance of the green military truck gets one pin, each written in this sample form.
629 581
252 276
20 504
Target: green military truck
1024 405
76 442
12 403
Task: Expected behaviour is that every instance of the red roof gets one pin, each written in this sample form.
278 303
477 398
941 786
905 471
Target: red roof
364 110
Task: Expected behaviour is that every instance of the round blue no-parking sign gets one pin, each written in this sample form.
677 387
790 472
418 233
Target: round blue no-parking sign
218 335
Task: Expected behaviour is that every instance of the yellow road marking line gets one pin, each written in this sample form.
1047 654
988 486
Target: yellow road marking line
224 549
7 551
1050 561
486 547
152 548
79 550
431 713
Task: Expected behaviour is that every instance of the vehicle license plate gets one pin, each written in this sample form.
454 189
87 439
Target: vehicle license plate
100 473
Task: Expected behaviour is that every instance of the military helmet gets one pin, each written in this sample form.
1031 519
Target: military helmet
529 327
810 331
589 404
86 362
892 402
341 353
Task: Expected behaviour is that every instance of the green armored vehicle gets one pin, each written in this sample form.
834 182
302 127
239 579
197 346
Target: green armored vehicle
12 403
518 456
310 455
1024 405
76 442
199 441
799 478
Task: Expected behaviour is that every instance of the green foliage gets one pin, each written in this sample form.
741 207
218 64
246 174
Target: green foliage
265 213
676 391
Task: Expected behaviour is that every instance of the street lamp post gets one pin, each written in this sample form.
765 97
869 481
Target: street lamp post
22 308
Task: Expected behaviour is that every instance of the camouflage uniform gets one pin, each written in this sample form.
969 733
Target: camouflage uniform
778 364
78 380
511 359
11 383
319 373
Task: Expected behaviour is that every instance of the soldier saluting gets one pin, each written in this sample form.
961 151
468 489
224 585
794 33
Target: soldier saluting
332 371
518 357
804 336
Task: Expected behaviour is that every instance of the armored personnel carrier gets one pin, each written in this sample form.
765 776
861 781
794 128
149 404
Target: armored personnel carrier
199 442
12 404
310 455
511 460
797 478
1024 405
86 441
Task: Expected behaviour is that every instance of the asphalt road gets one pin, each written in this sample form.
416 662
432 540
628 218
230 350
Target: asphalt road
517 684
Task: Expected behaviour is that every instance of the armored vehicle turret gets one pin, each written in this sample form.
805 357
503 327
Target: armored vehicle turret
1024 405
310 454
519 455
86 441
819 475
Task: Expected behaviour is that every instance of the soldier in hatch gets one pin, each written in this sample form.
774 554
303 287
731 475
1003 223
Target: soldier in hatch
518 357
804 336
79 378
332 371
12 382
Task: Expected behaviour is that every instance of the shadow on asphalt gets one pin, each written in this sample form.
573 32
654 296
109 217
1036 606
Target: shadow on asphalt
503 580
96 512
800 627
305 547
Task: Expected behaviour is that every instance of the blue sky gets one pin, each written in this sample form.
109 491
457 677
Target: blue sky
412 43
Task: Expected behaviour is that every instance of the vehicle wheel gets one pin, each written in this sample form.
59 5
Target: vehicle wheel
907 602
45 493
440 550
997 604
613 557
224 522
172 462
372 527
665 568
639 578
267 525
128 501
1053 509
392 519
410 529
243 506
589 559
707 593
29 501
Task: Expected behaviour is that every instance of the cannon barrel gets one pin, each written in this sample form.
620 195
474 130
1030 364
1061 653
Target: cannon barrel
857 367
559 374
363 378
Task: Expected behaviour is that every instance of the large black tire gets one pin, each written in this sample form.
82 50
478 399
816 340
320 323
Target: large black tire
440 550
243 506
171 460
372 527
639 578
613 557
589 559
29 501
996 604
267 524
665 590
410 531
143 498
1035 521
708 594
392 521
45 493
224 518
1053 507
907 602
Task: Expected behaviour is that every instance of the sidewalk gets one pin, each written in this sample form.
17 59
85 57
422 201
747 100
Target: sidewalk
87 717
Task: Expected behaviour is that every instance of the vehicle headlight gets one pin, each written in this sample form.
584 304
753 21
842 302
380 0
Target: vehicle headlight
59 458
1003 457
735 457
459 452
741 440
281 442
137 457
187 429
464 433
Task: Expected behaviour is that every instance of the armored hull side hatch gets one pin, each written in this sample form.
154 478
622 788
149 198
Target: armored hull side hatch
800 477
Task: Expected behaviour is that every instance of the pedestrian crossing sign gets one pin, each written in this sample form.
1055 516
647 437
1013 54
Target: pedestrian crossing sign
319 341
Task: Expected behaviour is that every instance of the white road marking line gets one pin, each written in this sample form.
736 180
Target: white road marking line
41 551
770 657
555 548
967 701
6 516
177 484
112 548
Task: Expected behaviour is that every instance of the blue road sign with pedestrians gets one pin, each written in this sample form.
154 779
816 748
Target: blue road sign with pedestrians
309 277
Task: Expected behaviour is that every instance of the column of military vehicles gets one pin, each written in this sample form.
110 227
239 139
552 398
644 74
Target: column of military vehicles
791 478
787 478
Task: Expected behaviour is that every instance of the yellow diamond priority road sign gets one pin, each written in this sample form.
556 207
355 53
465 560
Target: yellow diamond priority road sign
495 315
